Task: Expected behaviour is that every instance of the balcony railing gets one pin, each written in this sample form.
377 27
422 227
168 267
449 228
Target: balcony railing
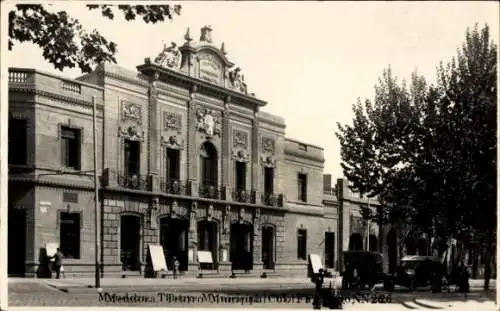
135 181
209 191
243 196
272 199
175 186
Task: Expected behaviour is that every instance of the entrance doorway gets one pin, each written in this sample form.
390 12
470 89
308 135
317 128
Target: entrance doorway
16 242
130 242
207 241
173 239
268 247
242 247
330 250
392 246
356 242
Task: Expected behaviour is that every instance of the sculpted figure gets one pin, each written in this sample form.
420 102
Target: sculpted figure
170 56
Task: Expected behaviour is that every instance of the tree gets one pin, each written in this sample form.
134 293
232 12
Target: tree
430 153
63 40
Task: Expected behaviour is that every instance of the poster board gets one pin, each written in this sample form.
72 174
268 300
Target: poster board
157 257
51 248
315 262
205 257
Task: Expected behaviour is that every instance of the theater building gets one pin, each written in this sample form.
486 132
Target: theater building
186 159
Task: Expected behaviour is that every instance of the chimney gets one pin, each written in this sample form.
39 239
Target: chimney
327 182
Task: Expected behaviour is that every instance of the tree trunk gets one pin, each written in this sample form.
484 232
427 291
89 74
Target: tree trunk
487 262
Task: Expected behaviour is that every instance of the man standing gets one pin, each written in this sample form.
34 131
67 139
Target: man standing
58 257
319 279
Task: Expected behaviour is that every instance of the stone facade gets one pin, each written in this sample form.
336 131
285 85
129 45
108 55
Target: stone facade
191 99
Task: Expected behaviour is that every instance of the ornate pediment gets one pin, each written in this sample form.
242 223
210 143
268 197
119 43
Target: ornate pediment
268 161
241 155
131 132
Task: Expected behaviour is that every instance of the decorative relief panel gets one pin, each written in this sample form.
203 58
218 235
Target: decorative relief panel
210 68
169 57
268 145
240 146
208 122
131 112
172 121
268 161
172 142
131 132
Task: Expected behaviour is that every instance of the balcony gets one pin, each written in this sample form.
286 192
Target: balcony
243 196
272 199
209 191
135 181
175 186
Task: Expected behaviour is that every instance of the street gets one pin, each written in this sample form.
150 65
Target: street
41 294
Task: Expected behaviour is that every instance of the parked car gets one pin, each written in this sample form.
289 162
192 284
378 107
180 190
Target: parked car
416 271
361 269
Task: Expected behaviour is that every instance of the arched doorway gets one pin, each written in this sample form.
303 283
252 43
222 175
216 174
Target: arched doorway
130 242
174 240
207 241
356 242
373 243
209 171
241 246
268 247
422 246
392 245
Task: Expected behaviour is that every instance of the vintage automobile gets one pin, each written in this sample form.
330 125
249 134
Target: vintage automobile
416 271
361 269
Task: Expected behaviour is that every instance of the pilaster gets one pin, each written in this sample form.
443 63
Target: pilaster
257 241
226 145
255 152
191 161
153 145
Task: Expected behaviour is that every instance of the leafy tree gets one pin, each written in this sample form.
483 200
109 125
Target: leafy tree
63 40
429 153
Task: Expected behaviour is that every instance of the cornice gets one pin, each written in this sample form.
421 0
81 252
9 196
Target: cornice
304 155
50 183
34 91
126 79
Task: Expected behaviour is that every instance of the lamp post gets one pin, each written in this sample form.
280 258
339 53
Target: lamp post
96 201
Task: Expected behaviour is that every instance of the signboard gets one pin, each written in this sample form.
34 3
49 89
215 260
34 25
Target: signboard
205 257
157 257
210 69
51 249
315 262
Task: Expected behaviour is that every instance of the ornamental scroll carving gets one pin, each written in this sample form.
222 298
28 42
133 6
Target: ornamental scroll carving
131 112
172 121
131 132
172 142
208 122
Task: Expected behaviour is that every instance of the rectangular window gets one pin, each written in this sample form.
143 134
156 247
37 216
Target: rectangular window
69 234
173 164
302 244
268 180
302 187
18 142
330 249
132 157
71 148
241 172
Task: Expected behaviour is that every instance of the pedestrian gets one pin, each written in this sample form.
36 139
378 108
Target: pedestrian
319 279
176 267
58 261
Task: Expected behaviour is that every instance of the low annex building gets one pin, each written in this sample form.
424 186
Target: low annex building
186 159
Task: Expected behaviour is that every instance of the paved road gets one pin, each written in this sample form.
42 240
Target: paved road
39 294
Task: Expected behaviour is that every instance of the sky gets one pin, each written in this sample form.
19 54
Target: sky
310 61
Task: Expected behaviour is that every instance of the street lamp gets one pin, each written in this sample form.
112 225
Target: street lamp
96 201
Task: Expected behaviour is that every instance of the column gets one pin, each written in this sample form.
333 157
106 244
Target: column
154 120
193 239
257 242
192 159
